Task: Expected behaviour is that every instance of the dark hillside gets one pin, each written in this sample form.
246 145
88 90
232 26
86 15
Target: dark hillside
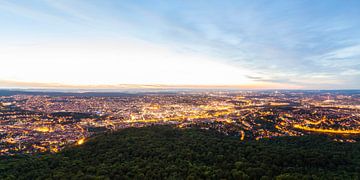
163 152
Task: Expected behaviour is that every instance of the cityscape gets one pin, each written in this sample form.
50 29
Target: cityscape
156 89
48 123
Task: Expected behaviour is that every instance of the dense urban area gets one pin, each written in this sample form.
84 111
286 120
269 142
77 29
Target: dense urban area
33 122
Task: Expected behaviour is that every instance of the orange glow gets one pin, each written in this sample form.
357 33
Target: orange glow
54 149
80 141
242 137
49 85
333 131
40 148
44 129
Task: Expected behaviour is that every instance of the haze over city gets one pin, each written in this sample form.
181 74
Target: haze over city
177 44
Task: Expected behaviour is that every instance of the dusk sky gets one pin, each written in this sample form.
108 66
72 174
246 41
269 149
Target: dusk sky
247 44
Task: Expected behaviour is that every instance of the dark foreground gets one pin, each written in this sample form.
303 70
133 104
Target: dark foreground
163 152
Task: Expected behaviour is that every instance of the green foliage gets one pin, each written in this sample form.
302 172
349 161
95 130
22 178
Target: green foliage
163 152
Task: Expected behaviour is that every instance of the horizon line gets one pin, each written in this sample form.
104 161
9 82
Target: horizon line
22 85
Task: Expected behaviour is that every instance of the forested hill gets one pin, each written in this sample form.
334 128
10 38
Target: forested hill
163 152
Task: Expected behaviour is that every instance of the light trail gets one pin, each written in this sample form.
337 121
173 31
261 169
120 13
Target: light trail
316 122
332 131
43 129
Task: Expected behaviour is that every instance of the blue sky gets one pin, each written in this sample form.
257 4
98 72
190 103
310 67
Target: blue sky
274 44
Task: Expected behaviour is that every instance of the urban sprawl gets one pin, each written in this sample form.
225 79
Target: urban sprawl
31 123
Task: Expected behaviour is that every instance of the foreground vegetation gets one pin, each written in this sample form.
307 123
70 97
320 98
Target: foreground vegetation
163 152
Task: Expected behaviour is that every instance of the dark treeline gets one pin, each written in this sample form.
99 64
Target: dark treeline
163 152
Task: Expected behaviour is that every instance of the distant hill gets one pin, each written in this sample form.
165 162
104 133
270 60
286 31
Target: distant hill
139 92
164 152
4 92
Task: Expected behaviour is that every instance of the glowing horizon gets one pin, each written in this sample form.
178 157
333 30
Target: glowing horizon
111 63
30 85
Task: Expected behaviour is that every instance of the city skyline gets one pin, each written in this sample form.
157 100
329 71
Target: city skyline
177 44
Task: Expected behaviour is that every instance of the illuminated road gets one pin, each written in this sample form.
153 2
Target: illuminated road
332 131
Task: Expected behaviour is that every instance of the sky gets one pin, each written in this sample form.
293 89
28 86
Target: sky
273 44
